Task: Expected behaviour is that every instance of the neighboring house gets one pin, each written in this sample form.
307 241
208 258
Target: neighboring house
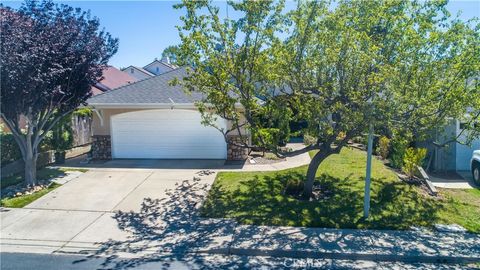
152 119
112 78
454 156
156 67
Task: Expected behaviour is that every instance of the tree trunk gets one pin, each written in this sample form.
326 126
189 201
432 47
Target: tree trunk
30 160
319 157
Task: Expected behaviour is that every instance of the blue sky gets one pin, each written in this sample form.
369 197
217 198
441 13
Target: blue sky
145 28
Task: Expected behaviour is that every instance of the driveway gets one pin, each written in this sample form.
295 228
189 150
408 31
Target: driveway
117 208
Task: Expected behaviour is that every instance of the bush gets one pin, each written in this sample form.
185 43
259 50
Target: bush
9 148
294 187
383 147
309 140
397 152
413 157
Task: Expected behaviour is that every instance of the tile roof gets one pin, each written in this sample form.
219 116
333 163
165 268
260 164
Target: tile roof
152 90
112 78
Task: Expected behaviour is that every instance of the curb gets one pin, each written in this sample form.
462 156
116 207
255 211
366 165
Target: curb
355 256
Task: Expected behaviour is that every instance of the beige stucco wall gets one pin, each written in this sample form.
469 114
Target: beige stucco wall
104 129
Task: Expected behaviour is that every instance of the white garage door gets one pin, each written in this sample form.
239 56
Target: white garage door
166 134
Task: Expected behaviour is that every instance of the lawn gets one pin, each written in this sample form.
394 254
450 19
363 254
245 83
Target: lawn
42 174
256 198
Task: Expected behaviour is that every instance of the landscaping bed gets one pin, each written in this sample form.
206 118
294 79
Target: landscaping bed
16 193
260 198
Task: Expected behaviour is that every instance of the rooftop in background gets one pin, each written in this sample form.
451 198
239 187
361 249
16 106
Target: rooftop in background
112 78
153 90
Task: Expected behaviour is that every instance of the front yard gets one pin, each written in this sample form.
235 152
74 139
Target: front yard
24 199
257 198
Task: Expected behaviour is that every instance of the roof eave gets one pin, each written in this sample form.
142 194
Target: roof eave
147 105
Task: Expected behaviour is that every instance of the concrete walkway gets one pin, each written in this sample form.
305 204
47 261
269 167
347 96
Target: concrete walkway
454 180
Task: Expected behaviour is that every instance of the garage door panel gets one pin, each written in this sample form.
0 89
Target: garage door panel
169 134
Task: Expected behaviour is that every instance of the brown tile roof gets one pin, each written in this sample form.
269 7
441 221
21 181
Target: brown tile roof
112 78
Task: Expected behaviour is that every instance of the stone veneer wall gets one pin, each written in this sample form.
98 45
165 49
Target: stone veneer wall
101 147
235 152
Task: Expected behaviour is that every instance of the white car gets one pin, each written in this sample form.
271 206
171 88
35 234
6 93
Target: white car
476 167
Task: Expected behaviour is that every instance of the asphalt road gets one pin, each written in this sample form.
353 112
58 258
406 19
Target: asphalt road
19 261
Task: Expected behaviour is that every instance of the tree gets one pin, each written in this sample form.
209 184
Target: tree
341 68
173 53
403 65
231 61
51 56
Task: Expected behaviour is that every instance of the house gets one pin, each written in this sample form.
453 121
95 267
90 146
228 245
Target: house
152 119
454 156
156 67
112 78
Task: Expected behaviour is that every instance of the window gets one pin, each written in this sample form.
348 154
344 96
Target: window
158 69
131 70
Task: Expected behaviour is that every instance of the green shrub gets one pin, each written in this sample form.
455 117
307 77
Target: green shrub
397 151
9 148
309 140
383 147
413 157
62 135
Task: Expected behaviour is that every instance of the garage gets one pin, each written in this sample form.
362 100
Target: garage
165 134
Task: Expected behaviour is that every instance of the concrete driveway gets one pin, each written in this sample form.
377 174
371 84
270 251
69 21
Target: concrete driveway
109 206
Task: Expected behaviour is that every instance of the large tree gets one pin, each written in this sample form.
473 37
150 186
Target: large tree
50 57
342 68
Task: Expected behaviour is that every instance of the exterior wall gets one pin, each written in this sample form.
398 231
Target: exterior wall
463 153
455 156
136 73
157 68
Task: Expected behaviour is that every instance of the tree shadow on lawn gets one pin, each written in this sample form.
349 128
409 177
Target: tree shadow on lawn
259 200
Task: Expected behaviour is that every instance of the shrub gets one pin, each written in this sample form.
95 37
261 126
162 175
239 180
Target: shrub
413 157
294 187
383 147
397 151
309 140
9 148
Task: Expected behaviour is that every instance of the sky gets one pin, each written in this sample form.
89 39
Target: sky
145 28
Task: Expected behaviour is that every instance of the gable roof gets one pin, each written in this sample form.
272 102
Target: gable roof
153 90
171 66
141 70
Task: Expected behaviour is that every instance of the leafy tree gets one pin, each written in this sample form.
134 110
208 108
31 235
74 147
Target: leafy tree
393 64
398 64
174 53
51 56
232 62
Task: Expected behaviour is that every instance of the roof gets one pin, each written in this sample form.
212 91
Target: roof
141 69
172 66
112 78
153 90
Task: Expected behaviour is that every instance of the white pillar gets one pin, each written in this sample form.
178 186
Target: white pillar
366 203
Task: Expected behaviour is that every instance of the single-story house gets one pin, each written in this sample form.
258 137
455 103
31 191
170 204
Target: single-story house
152 119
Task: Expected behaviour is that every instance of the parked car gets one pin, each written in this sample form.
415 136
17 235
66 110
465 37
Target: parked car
476 167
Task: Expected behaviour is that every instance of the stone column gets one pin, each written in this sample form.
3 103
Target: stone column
101 147
235 152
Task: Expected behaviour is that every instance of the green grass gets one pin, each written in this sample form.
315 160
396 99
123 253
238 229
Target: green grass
256 198
21 201
42 174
